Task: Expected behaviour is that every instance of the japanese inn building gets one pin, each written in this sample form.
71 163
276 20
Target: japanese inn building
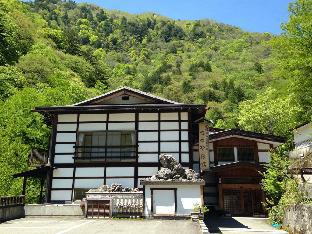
117 138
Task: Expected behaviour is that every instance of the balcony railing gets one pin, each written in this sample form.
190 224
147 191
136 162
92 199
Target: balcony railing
106 153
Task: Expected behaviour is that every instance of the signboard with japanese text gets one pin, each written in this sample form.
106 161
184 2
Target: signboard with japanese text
203 147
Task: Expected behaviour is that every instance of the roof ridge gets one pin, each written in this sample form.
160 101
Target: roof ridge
129 89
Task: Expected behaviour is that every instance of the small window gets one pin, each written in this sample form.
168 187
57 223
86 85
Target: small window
246 154
125 98
225 154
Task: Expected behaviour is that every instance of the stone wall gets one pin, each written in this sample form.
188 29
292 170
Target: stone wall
11 212
298 219
53 210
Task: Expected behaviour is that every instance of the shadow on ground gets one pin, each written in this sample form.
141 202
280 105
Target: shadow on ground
215 222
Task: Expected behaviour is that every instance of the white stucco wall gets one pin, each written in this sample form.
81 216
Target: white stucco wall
187 196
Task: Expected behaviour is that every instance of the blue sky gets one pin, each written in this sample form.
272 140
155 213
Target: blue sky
250 15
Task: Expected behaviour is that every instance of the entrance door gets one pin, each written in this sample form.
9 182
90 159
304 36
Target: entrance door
164 202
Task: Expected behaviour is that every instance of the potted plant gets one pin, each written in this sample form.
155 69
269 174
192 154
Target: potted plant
198 212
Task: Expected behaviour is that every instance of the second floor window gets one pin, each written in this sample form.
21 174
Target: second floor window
111 145
245 154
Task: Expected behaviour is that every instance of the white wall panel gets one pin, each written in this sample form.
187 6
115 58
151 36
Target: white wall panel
88 183
66 127
147 171
169 116
184 146
148 157
169 135
92 117
89 172
148 125
185 158
262 146
169 146
184 135
63 172
66 137
126 182
121 126
264 157
184 125
64 195
148 116
148 136
62 183
63 159
119 171
169 125
184 116
64 148
92 126
122 117
67 118
148 147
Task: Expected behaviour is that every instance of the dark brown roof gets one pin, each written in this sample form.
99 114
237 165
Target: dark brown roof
216 133
237 164
136 107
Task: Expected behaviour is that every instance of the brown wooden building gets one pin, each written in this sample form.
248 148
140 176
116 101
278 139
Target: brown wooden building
236 160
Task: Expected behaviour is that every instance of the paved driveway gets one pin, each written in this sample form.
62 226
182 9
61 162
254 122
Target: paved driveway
236 225
60 225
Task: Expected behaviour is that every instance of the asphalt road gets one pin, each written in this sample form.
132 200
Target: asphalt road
62 225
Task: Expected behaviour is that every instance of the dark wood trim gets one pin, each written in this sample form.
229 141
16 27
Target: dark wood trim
65 143
180 145
96 177
67 189
164 130
136 149
173 141
52 154
107 119
74 170
191 140
143 199
123 121
112 164
159 131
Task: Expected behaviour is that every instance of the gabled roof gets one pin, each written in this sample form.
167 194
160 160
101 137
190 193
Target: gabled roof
126 90
218 133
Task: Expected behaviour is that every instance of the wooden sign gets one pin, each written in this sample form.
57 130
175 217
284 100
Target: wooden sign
203 147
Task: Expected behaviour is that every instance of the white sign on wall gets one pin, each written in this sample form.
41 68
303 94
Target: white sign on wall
203 146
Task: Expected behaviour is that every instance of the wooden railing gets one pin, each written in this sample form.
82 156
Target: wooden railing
119 204
12 207
12 201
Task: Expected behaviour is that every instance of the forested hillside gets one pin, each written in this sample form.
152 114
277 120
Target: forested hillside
55 52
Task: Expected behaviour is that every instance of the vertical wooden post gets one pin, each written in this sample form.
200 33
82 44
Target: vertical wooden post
41 190
24 185
221 202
